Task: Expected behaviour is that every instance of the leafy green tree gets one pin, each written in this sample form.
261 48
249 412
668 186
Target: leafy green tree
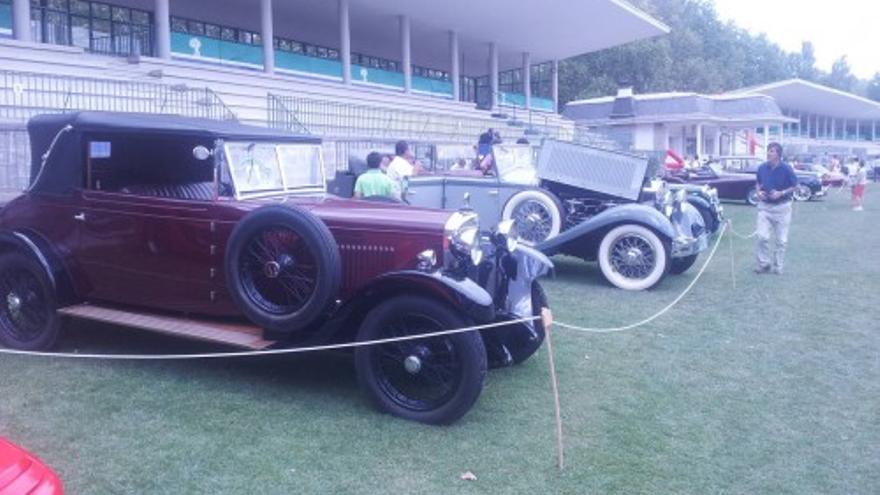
873 90
700 54
840 77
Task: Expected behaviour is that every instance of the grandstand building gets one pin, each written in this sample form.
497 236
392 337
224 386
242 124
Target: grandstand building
347 70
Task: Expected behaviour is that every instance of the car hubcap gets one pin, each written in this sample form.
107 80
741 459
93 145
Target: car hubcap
26 313
412 364
533 221
418 376
633 257
278 271
13 302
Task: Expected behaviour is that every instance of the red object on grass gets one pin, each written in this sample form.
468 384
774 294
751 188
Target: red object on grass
22 473
673 161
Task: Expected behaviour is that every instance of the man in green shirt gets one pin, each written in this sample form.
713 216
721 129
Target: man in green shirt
374 182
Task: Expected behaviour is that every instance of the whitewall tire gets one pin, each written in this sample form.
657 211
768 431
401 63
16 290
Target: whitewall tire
538 215
633 257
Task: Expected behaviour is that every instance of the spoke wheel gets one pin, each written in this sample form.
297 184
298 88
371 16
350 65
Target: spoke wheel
278 271
802 193
752 196
538 215
28 320
434 380
283 268
633 257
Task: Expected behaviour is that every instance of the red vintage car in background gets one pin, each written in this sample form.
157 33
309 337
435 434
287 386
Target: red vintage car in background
22 473
225 232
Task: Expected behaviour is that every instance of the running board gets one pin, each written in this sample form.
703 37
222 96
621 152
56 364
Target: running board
234 334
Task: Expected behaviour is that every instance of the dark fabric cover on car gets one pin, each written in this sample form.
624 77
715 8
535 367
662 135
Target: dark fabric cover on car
201 191
64 169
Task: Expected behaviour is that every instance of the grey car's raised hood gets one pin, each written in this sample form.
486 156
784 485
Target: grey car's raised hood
596 169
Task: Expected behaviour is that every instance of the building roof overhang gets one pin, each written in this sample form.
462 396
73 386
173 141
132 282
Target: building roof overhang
546 29
812 98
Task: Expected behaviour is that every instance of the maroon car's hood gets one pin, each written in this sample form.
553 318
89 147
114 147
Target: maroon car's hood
375 215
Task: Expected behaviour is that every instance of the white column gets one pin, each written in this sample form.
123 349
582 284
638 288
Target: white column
493 75
455 68
21 20
267 32
163 29
699 137
718 141
345 41
766 135
405 54
555 86
833 128
527 78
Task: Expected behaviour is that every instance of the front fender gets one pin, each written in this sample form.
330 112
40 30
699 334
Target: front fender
464 295
627 213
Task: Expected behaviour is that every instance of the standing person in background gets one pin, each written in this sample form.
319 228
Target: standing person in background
776 182
402 167
860 180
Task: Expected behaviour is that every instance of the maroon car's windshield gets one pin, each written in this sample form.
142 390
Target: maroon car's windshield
259 168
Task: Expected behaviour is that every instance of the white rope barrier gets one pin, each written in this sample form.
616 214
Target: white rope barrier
268 352
662 311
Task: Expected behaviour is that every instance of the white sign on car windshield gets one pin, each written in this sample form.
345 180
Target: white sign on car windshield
270 167
514 163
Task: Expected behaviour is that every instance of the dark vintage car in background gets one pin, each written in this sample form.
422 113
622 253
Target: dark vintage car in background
577 200
224 232
734 186
809 187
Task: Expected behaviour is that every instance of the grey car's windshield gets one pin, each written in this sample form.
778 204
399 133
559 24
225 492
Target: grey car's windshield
259 168
515 163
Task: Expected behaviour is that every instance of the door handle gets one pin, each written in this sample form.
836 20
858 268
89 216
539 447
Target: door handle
80 216
493 192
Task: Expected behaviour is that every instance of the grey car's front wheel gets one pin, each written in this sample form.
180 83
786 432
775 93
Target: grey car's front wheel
633 257
537 214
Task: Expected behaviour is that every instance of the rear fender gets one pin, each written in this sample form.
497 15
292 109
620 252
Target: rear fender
590 231
32 244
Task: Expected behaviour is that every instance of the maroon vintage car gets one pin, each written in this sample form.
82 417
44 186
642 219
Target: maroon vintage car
730 185
225 232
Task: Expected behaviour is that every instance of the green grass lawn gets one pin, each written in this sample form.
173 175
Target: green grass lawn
771 386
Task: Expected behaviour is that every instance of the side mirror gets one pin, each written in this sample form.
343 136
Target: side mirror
201 153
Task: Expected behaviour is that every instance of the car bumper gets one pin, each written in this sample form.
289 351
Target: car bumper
683 247
821 192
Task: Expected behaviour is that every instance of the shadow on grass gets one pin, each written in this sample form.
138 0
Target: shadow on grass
311 372
575 270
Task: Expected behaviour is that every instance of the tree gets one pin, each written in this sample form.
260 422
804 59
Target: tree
841 77
873 91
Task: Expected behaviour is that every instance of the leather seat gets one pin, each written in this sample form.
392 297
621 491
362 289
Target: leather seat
197 191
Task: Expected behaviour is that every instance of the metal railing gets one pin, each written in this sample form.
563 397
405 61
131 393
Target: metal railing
25 94
340 120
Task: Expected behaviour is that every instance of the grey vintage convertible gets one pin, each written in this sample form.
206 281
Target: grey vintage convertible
576 200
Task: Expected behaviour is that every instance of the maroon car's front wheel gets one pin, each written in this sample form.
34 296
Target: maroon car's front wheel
435 380
28 317
283 268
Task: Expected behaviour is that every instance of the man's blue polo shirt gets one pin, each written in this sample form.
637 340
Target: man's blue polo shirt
777 178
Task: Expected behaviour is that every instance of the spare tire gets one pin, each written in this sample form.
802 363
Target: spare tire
283 268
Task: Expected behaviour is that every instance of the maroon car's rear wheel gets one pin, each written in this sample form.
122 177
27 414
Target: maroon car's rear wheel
283 267
28 317
434 380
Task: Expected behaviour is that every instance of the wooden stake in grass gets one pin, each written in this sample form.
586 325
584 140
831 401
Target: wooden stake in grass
732 264
547 320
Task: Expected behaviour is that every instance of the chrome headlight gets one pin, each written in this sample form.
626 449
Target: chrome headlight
463 235
506 234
